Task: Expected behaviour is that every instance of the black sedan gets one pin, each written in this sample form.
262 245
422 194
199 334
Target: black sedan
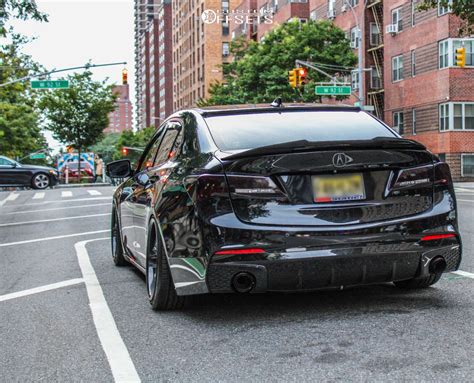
295 198
12 173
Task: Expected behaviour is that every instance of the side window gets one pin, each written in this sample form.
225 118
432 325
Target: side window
151 153
167 143
5 162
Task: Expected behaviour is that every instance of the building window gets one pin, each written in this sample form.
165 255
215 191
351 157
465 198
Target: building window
375 81
443 54
442 10
225 49
397 18
397 68
313 16
413 63
398 122
354 38
355 80
467 165
352 3
456 116
374 35
413 12
413 121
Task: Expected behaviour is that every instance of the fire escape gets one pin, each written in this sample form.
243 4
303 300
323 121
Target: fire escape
375 94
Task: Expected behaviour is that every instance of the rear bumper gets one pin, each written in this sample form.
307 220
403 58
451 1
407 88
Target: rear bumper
329 269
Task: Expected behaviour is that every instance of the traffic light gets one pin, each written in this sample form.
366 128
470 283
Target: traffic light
124 151
302 72
293 78
124 76
461 57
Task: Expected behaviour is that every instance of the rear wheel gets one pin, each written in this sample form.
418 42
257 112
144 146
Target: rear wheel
40 181
419 283
116 241
161 291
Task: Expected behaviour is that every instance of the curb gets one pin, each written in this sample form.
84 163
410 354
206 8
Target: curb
98 184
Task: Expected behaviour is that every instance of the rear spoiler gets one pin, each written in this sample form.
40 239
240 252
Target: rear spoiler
304 146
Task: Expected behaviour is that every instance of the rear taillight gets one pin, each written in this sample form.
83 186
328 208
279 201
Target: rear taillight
420 176
436 237
442 174
251 250
253 186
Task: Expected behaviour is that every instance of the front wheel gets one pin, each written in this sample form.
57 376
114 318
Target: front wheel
419 283
40 181
161 291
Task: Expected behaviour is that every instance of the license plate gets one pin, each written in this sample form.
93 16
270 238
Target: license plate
341 187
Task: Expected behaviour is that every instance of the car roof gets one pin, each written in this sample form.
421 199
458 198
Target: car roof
218 110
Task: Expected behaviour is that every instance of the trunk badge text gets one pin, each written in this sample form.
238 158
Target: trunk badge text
341 159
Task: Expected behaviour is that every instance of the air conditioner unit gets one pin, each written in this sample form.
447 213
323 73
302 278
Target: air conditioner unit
331 14
344 8
353 45
391 28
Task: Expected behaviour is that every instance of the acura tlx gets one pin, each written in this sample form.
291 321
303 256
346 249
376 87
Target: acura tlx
251 199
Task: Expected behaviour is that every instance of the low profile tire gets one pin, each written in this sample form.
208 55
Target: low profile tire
116 242
40 181
419 283
161 291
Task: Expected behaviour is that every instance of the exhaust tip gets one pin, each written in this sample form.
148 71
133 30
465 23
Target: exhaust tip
243 282
437 265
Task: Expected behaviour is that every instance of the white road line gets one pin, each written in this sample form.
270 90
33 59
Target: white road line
39 195
66 193
464 190
94 192
52 219
10 197
52 238
464 200
56 208
40 289
121 364
59 201
464 274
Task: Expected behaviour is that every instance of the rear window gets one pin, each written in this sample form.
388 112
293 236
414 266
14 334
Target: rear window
248 131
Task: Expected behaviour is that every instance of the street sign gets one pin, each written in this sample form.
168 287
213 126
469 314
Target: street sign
37 156
332 90
50 84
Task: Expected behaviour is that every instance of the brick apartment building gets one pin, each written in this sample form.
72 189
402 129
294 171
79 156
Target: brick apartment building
413 84
121 118
200 47
153 61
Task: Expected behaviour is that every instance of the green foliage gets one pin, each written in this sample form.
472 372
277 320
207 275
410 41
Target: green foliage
19 121
106 147
19 9
78 115
259 72
464 9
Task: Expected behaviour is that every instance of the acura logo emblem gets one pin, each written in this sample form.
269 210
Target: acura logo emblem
341 159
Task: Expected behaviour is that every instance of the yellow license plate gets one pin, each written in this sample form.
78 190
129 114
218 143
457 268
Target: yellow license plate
341 187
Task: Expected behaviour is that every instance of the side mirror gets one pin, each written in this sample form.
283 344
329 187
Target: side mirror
119 169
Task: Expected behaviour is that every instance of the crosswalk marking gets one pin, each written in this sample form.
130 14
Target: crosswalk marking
66 193
11 197
94 192
39 195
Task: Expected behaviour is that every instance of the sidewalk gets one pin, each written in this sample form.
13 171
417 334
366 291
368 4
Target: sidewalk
90 184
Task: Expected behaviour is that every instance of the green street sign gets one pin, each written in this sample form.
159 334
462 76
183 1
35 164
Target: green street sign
332 90
37 156
50 84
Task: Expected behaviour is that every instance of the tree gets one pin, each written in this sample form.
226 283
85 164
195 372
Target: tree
464 9
78 115
19 121
259 72
107 146
21 9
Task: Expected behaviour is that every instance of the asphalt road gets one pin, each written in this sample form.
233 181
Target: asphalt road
68 314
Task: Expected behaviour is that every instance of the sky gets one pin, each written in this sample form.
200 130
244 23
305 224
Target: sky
101 31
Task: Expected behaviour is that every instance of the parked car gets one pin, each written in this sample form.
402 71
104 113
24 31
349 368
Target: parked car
293 198
12 173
